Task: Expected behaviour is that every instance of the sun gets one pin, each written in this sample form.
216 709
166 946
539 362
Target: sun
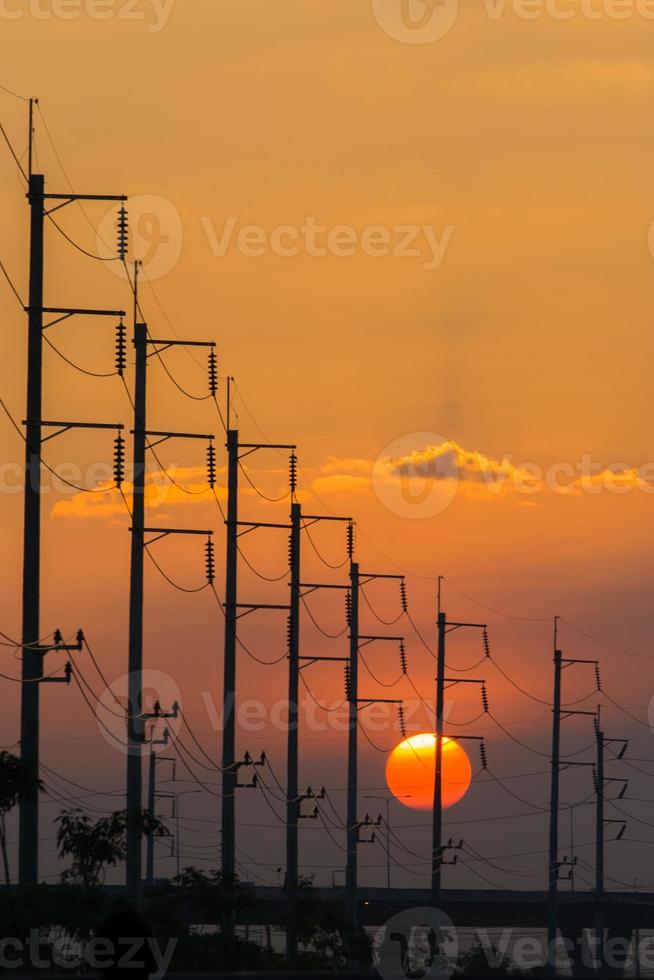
410 771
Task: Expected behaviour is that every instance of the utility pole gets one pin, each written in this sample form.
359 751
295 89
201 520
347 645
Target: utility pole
437 822
145 439
236 452
292 761
352 835
32 653
599 847
355 704
387 801
553 863
601 781
438 850
228 822
152 800
297 662
558 714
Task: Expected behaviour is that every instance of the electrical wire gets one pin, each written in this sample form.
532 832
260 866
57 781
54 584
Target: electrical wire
323 707
91 374
11 284
22 98
331 636
175 585
497 612
272 500
385 622
305 527
376 679
12 151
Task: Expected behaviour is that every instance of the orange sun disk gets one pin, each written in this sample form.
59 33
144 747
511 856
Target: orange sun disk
410 771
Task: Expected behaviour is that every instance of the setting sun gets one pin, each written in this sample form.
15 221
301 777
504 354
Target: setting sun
410 771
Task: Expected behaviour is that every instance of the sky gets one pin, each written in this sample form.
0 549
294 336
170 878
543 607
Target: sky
424 254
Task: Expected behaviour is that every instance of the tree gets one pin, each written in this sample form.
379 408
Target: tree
100 844
16 780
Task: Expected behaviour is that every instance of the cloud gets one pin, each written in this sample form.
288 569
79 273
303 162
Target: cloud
189 485
340 483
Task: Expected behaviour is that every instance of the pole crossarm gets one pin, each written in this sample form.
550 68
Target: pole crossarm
181 343
327 517
320 660
369 576
58 644
163 533
450 626
65 312
255 525
67 426
69 198
568 714
463 680
373 639
253 447
251 607
310 587
165 436
366 702
567 662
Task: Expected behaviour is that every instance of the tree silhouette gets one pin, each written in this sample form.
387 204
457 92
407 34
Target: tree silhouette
100 844
16 779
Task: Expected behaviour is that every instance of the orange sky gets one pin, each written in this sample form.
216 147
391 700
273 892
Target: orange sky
524 146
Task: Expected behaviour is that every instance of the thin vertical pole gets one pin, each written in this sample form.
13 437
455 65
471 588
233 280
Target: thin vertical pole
553 868
599 850
149 870
32 659
437 818
177 833
229 680
352 753
388 843
30 138
135 728
292 804
572 848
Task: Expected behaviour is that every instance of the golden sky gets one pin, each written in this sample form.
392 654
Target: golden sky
513 154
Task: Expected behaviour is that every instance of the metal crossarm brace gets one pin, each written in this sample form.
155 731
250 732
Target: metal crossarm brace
373 639
163 533
450 627
65 312
254 525
67 426
254 606
164 436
